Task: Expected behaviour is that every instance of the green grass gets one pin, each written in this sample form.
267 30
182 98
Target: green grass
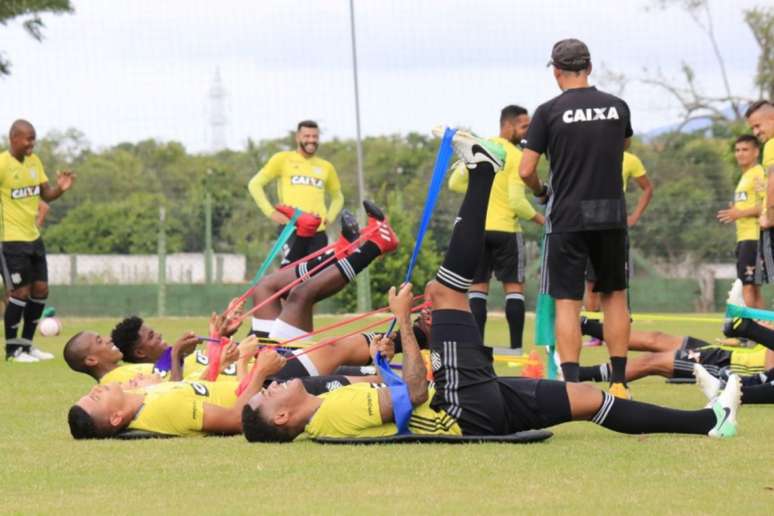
582 469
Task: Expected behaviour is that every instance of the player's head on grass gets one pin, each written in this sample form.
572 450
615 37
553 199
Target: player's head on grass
514 122
278 413
137 341
21 137
87 351
760 118
746 151
103 412
308 137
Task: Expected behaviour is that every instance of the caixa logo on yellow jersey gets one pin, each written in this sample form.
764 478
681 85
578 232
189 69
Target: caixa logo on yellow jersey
740 196
307 181
25 191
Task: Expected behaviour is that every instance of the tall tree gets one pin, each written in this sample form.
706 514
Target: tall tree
29 12
761 23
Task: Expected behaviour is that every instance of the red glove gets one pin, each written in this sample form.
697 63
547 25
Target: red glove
307 224
286 210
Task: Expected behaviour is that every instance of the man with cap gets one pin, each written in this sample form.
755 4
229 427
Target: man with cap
583 132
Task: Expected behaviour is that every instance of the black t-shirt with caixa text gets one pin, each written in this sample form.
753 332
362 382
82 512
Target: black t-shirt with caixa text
582 132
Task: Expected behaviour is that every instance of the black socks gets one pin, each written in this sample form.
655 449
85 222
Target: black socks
14 311
571 371
617 369
32 313
514 314
634 417
359 260
592 328
467 239
478 308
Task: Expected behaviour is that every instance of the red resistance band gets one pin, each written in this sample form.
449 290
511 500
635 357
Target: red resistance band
331 340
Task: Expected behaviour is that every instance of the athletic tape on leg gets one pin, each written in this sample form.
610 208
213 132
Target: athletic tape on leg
436 182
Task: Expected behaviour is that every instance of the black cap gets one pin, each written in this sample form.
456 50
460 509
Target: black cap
570 54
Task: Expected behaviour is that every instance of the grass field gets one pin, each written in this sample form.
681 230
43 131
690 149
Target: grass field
582 469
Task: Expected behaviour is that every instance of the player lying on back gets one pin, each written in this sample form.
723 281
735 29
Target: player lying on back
468 398
672 356
171 408
291 317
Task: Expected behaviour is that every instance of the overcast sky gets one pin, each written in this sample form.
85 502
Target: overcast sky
126 70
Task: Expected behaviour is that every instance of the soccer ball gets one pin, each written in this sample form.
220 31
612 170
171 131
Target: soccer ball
50 327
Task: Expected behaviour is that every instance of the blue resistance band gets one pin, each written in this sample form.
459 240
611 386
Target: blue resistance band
401 402
436 182
748 313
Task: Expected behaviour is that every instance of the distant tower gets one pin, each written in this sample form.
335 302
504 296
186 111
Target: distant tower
217 117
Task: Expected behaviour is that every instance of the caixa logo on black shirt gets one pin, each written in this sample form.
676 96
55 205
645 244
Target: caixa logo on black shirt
307 181
25 191
589 114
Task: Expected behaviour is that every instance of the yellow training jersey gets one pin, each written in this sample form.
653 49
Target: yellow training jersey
301 183
19 197
767 162
353 411
507 202
195 364
747 361
177 408
750 192
126 372
632 168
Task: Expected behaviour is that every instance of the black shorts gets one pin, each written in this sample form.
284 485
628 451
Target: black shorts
746 258
24 263
504 254
565 257
591 275
764 272
467 388
317 242
714 359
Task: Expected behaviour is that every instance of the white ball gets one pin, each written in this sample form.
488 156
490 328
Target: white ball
50 327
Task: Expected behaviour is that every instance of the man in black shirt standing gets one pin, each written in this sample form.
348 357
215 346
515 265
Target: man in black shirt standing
583 132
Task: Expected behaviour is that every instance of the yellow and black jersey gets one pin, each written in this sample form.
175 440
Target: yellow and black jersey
747 361
177 408
353 411
767 162
508 202
195 364
19 196
632 168
301 183
750 192
126 372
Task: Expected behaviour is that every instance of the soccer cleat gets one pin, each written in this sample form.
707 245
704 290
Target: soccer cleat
350 229
620 390
736 327
40 354
709 385
725 408
21 357
592 342
474 150
373 211
384 238
735 296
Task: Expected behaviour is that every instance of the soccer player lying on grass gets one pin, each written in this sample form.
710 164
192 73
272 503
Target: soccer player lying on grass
100 358
169 408
672 356
293 317
89 353
468 397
